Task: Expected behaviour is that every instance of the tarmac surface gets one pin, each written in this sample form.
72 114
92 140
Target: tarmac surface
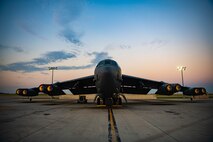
49 120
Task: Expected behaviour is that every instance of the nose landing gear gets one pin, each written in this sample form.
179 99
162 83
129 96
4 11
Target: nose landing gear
115 100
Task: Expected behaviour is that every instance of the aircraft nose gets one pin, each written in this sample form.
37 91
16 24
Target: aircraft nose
107 72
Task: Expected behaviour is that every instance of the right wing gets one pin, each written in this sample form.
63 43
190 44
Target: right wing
84 85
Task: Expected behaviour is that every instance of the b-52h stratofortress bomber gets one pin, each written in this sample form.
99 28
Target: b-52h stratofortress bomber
110 84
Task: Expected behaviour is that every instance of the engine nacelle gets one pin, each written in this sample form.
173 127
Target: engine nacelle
195 91
51 90
165 89
176 88
27 92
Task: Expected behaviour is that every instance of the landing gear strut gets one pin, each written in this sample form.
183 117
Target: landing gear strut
117 101
30 99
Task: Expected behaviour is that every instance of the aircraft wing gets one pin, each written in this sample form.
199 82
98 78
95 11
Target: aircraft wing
135 85
84 85
130 85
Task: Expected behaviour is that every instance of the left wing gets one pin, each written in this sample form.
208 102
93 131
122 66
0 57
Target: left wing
135 85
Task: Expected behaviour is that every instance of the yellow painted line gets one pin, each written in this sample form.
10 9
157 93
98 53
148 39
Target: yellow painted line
112 127
112 105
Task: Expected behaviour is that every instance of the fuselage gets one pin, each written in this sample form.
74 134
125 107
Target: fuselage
107 78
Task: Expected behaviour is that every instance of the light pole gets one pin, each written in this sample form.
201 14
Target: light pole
181 68
52 68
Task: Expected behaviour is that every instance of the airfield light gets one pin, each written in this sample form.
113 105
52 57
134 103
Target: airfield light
181 69
52 68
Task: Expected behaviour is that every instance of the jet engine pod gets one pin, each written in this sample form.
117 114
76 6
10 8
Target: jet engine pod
43 88
53 90
203 90
19 92
195 91
176 87
26 92
165 89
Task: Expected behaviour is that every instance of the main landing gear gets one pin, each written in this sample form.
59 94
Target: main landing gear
109 101
30 99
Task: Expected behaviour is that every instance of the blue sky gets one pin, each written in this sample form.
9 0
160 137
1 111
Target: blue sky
148 38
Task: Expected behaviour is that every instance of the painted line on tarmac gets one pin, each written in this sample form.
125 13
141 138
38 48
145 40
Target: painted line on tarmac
113 135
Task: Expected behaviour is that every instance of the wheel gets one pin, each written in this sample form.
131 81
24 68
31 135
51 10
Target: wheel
104 102
98 101
119 101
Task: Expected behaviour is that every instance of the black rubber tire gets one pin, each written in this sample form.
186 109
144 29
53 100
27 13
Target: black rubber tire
98 101
119 101
104 102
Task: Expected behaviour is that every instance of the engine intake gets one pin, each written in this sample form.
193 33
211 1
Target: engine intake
176 87
27 92
165 89
195 91
51 90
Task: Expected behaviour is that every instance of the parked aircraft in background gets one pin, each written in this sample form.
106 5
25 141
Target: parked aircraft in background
110 84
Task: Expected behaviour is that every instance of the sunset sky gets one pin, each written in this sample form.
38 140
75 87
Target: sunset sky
148 39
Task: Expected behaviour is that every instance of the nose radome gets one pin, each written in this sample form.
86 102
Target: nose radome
108 71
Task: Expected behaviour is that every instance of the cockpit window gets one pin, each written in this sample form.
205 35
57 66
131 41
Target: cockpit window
107 62
100 63
114 63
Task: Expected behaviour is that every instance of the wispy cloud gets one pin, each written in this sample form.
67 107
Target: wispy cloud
114 46
98 56
71 36
156 43
65 14
33 66
44 73
15 48
21 66
125 46
30 30
50 57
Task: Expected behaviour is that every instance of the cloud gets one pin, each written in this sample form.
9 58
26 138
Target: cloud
114 46
75 67
53 56
21 66
71 36
30 30
65 14
32 66
15 48
125 46
68 11
44 73
156 43
98 56
50 57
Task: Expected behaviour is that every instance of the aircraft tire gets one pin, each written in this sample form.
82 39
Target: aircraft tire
98 101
